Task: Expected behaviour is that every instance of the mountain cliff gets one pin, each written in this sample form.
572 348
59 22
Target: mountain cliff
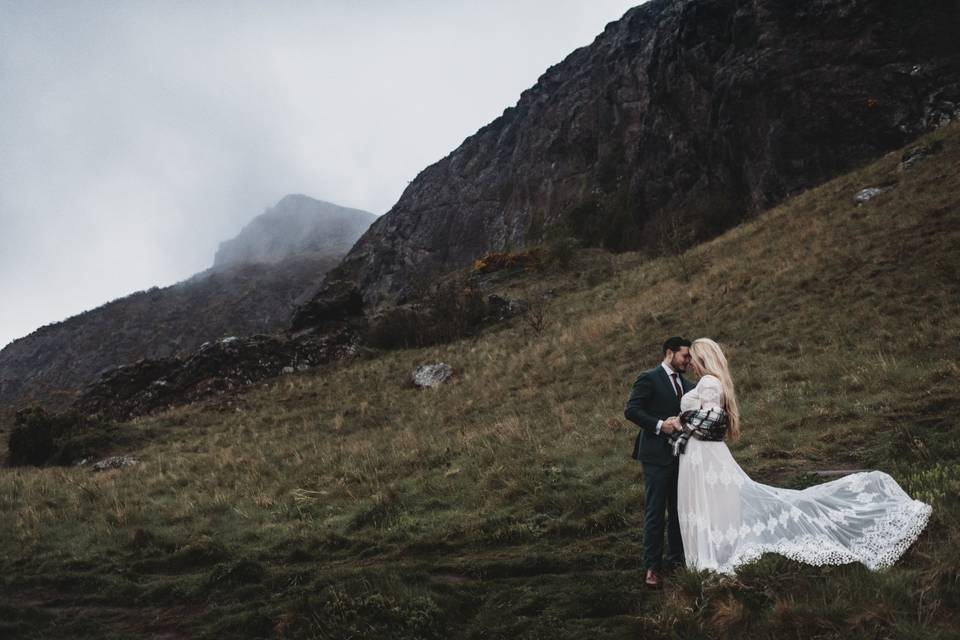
259 277
684 113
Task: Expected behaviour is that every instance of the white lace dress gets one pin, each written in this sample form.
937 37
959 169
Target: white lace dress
727 519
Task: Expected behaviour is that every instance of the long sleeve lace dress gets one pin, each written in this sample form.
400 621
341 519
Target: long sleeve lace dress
727 519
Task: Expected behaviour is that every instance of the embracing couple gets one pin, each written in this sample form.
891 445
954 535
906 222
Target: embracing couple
717 518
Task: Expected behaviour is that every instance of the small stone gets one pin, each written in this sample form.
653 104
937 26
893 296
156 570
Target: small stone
432 375
518 307
915 154
500 307
868 194
115 462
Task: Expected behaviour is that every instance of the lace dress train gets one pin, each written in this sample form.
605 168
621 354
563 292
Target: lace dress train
726 519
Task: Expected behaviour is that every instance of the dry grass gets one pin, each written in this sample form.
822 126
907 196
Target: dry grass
343 503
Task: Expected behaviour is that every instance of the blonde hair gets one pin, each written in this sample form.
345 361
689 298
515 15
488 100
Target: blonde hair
710 359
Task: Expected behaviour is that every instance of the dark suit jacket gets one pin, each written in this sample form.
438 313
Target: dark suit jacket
653 399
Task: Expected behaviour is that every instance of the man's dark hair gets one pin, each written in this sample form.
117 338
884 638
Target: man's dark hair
674 344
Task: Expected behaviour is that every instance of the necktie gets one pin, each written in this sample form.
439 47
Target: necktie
676 385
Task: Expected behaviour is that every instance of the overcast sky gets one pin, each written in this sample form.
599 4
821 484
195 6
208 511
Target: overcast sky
136 136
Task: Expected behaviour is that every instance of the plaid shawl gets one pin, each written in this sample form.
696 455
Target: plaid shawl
702 424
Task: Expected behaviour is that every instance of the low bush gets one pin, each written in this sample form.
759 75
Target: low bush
449 310
561 251
39 438
499 260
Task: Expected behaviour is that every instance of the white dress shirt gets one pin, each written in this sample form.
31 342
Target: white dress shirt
670 373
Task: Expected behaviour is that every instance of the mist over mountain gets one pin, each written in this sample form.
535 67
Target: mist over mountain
297 225
689 114
258 278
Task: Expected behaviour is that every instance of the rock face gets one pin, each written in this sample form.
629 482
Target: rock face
289 250
702 110
330 309
297 225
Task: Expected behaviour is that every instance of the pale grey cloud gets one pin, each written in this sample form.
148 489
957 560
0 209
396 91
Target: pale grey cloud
135 136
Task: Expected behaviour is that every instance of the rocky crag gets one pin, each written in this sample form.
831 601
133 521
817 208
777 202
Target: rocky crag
276 263
217 367
684 114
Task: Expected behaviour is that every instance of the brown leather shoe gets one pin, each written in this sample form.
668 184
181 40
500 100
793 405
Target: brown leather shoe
653 579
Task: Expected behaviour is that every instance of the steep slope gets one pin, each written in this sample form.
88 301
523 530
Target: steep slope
276 262
345 503
704 111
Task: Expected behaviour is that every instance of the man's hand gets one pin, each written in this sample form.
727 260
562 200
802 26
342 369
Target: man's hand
670 425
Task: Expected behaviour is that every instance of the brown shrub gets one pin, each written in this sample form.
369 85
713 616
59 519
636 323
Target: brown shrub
498 260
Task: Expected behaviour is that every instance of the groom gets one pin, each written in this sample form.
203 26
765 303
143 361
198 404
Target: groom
653 406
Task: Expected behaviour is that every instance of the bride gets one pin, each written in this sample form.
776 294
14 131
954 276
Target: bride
726 519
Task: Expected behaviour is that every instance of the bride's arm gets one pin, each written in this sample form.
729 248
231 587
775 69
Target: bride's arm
710 391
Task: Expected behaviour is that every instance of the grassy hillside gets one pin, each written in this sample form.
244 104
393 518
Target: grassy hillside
343 503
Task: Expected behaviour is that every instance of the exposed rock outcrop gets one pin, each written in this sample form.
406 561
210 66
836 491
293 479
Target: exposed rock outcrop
916 154
706 110
865 195
337 304
115 462
217 367
432 375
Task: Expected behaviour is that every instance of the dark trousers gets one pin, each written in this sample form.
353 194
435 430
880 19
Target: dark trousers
660 496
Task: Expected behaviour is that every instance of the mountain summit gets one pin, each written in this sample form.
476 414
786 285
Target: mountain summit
297 225
695 113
